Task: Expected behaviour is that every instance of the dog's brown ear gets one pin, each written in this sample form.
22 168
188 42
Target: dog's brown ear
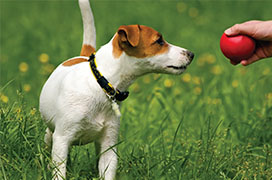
130 34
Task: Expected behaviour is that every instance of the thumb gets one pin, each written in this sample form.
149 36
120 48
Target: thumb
247 28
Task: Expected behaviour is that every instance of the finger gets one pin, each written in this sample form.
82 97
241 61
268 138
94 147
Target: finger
233 62
252 22
248 28
251 60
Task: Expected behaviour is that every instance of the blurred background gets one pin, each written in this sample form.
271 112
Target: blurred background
212 122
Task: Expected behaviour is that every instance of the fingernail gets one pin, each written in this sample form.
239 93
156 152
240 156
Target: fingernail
244 62
228 31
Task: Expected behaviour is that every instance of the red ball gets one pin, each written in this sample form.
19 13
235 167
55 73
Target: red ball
237 48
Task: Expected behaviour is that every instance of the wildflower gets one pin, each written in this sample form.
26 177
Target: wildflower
243 70
269 99
235 83
208 100
266 71
18 110
33 111
23 67
216 101
27 87
193 12
44 58
206 58
216 70
156 76
269 96
210 58
197 90
146 79
196 80
177 91
201 60
47 69
157 90
181 7
135 87
186 77
4 98
168 83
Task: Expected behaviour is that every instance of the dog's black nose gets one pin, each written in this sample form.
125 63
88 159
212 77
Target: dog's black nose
190 54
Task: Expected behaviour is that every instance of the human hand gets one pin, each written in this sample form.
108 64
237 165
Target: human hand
261 31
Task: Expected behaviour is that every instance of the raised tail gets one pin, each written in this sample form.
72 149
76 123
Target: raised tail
89 34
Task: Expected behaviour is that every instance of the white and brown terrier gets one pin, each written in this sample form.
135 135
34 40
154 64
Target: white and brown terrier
78 109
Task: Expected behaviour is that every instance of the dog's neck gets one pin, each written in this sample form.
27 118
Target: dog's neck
121 71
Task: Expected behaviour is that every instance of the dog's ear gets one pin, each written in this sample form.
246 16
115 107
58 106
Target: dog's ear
129 34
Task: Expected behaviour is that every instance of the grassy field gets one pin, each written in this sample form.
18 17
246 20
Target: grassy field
212 122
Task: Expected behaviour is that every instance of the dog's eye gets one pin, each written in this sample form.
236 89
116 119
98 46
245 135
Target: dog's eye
160 41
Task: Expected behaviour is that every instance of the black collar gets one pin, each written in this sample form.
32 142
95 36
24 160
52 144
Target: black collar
104 83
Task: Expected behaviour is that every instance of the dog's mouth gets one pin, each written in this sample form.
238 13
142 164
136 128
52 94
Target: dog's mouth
177 67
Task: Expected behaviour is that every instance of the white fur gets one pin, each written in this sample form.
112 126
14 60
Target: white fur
89 34
77 110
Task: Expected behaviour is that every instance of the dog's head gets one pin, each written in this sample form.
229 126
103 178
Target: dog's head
152 53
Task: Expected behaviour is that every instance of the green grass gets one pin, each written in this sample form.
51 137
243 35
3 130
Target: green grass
212 122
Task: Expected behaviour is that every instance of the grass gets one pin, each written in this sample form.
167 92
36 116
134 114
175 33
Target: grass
212 122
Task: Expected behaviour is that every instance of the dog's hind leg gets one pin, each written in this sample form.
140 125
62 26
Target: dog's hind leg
60 150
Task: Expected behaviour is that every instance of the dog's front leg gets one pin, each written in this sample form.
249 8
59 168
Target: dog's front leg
108 158
59 155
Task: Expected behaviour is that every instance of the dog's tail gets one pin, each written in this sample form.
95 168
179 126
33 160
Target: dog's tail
89 34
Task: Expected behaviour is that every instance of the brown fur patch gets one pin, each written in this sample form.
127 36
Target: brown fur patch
147 45
87 50
74 61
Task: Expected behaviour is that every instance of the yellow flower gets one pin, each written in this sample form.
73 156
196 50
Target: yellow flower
181 7
27 87
33 111
216 70
18 110
196 80
197 90
156 76
235 84
266 71
168 83
23 67
146 80
4 98
177 91
135 87
186 77
47 69
208 100
206 58
193 12
242 70
216 101
200 61
210 58
44 58
269 96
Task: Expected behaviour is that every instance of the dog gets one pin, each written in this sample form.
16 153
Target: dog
80 100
